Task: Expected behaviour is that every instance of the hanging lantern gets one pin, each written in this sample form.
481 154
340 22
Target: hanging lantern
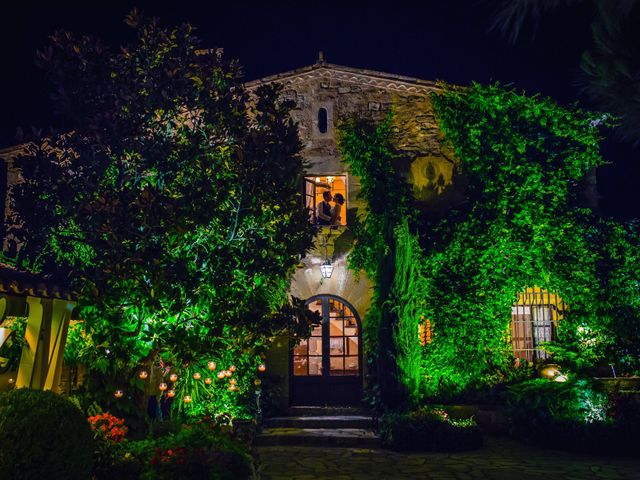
232 368
187 399
262 368
326 269
208 381
220 374
197 376
11 381
118 394
171 393
233 381
211 365
162 387
233 388
257 382
173 377
143 374
227 373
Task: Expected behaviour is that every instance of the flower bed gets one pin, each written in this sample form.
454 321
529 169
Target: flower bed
429 430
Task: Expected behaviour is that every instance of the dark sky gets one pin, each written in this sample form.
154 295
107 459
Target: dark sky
447 39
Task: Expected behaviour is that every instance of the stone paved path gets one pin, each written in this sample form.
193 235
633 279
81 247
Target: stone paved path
500 459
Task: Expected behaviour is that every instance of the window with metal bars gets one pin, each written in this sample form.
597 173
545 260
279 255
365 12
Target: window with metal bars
534 321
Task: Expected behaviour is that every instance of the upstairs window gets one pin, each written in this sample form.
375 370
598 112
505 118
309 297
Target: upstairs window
319 211
322 120
534 321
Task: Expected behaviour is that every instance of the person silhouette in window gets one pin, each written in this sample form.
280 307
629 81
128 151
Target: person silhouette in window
336 211
323 210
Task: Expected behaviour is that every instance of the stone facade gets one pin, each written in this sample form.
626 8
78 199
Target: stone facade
428 165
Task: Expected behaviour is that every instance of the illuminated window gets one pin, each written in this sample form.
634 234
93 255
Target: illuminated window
322 120
424 331
534 321
314 188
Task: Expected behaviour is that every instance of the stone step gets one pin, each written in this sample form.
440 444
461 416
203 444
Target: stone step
321 421
323 411
318 437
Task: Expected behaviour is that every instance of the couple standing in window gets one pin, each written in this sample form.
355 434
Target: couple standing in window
328 214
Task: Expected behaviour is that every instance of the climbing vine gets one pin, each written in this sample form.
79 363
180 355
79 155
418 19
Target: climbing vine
522 224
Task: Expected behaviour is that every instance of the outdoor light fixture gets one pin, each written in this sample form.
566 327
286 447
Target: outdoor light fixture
187 399
11 380
211 365
173 377
232 368
208 381
326 269
221 374
228 373
162 387
143 374
262 367
118 394
197 376
171 393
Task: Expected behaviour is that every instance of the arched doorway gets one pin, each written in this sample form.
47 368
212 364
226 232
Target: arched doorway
326 369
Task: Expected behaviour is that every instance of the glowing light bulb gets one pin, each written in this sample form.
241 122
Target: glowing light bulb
173 377
227 373
197 376
262 367
211 365
118 394
221 374
171 393
162 387
208 381
232 368
187 399
143 374
233 381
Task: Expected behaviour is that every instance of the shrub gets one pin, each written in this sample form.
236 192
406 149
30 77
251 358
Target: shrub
573 415
108 428
196 451
43 435
429 430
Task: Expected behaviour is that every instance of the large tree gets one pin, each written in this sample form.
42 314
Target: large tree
172 204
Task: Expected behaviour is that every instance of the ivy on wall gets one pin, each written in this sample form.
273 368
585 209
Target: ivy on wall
521 225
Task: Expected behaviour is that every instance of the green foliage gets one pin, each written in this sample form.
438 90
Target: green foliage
196 451
43 435
172 207
12 348
366 148
216 400
408 297
574 415
429 430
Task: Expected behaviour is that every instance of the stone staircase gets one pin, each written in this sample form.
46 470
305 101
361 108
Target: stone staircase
320 427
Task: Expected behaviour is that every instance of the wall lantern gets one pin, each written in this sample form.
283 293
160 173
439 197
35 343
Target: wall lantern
211 365
118 394
173 377
143 374
162 387
326 269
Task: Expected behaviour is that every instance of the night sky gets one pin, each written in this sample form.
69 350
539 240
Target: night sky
448 40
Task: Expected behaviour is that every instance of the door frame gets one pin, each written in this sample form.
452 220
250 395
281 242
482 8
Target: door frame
325 349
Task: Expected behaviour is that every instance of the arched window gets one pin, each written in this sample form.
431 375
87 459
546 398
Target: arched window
322 120
534 321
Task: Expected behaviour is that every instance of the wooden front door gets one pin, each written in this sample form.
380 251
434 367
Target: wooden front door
326 369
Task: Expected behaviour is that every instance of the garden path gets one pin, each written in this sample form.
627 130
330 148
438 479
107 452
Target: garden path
500 459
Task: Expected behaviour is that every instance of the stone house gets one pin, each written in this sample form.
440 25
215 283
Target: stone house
330 367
